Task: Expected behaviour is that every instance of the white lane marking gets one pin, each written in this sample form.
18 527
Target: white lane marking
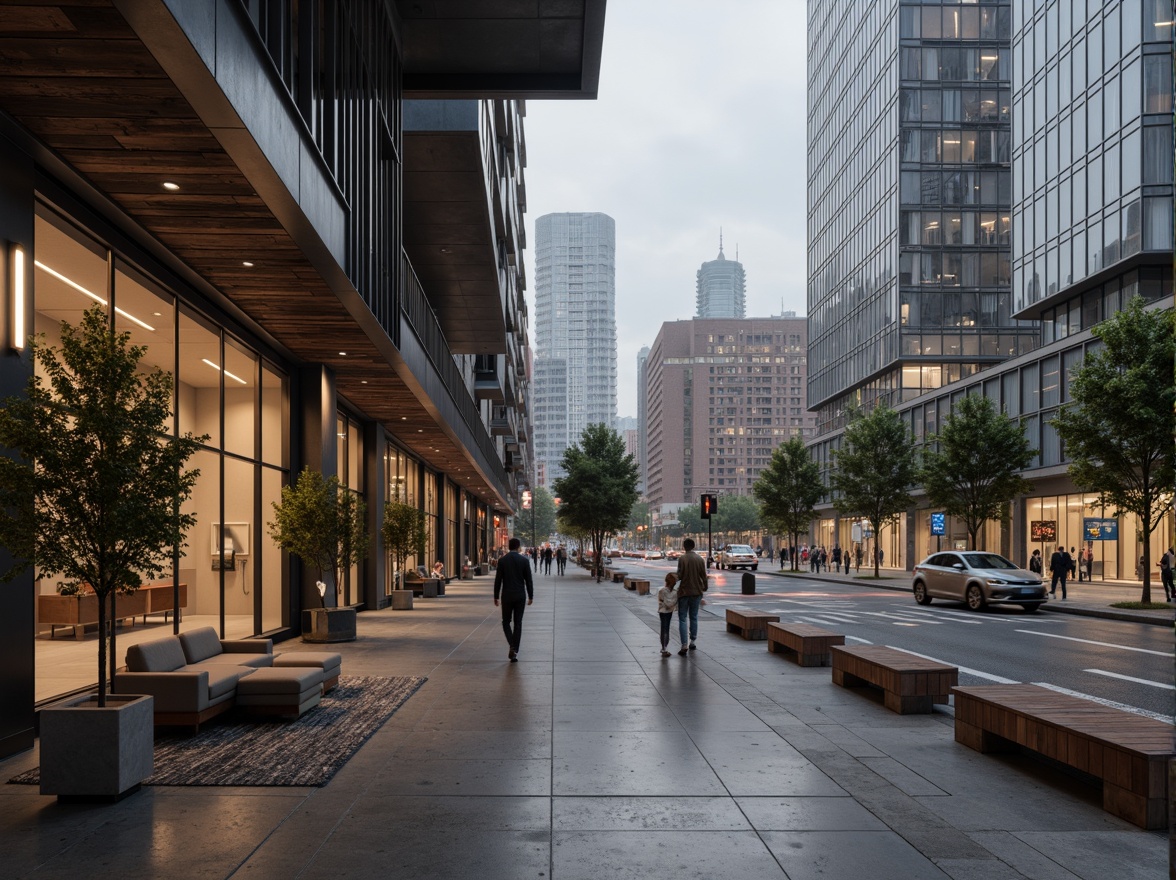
821 622
1148 682
888 615
1102 644
856 639
947 616
988 675
1167 719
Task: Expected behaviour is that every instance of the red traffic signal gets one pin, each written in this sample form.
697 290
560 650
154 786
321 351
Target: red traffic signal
710 505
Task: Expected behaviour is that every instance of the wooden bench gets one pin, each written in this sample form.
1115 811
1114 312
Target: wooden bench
807 643
750 625
641 586
618 577
1129 753
909 684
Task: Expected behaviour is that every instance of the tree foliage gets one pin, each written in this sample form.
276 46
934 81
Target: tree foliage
874 468
1119 425
738 515
97 492
537 524
404 533
976 471
321 522
599 488
788 491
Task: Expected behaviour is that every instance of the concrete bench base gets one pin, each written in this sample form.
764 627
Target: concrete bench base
909 684
808 645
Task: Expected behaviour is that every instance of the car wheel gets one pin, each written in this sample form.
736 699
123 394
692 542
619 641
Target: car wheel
921 595
975 597
755 568
1031 607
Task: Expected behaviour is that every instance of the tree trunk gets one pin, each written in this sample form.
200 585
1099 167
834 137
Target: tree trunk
102 652
113 653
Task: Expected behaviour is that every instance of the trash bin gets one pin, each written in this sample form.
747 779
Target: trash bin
748 584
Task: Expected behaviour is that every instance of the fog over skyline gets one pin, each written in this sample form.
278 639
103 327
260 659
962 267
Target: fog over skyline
699 124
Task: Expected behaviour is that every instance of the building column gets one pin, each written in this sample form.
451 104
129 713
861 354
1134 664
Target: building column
319 451
1014 535
18 622
375 486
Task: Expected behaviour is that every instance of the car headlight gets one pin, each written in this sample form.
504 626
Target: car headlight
996 582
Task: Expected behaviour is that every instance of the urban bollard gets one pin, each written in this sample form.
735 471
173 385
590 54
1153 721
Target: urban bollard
748 584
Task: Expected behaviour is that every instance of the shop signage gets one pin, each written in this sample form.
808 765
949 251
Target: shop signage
938 524
1100 529
1044 529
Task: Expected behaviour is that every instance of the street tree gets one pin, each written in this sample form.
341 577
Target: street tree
975 472
537 524
788 491
738 515
874 469
599 488
404 533
96 490
1118 427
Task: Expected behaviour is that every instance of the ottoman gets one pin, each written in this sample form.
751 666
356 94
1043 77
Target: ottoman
330 664
286 691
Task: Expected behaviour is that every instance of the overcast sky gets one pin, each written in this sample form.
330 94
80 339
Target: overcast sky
699 123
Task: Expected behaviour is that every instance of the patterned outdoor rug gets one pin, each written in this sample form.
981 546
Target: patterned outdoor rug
308 751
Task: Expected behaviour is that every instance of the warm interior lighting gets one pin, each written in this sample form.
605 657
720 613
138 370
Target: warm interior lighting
226 372
342 354
247 264
18 298
69 282
171 187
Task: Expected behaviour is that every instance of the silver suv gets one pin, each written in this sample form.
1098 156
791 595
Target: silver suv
737 556
977 578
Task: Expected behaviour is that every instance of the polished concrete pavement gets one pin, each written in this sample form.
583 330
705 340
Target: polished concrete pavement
595 757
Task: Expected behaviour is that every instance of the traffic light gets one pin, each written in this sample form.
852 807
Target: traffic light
710 505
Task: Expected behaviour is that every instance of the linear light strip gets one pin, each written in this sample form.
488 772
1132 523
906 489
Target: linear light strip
70 282
18 298
226 372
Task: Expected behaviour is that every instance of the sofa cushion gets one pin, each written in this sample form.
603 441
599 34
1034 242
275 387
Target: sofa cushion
200 644
224 680
220 661
160 655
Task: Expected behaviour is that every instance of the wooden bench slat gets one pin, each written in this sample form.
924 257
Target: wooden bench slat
909 683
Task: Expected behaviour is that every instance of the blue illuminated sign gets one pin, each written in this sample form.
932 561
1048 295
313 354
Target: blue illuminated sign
1100 529
938 524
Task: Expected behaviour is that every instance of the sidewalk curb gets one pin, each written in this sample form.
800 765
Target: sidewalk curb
1155 618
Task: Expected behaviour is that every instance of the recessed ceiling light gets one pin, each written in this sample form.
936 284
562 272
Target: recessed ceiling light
171 187
404 418
342 354
363 381
420 430
247 264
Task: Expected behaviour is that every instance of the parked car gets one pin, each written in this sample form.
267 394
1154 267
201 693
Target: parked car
654 553
673 554
737 556
977 578
613 552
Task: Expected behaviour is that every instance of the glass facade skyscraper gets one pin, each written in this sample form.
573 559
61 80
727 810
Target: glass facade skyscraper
575 331
722 286
909 200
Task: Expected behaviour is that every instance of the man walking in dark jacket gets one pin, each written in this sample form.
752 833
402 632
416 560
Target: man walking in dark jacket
512 580
1059 568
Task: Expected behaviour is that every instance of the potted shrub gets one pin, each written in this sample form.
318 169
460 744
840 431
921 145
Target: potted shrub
404 534
322 523
95 497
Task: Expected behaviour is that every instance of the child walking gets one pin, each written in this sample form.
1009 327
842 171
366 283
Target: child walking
667 604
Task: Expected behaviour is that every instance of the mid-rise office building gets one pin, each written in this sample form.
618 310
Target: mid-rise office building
575 331
722 288
311 216
722 394
642 420
1091 223
909 199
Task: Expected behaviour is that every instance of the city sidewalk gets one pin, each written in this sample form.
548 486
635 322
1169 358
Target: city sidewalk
594 757
1089 598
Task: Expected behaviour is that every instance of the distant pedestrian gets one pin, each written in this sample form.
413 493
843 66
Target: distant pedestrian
1035 562
847 560
561 559
512 581
692 577
1074 563
1167 562
1059 569
548 553
837 557
667 604
857 558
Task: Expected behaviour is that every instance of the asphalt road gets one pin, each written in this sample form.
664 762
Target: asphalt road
1126 664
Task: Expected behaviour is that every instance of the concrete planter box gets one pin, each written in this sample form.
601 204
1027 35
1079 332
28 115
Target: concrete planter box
89 753
402 600
328 625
